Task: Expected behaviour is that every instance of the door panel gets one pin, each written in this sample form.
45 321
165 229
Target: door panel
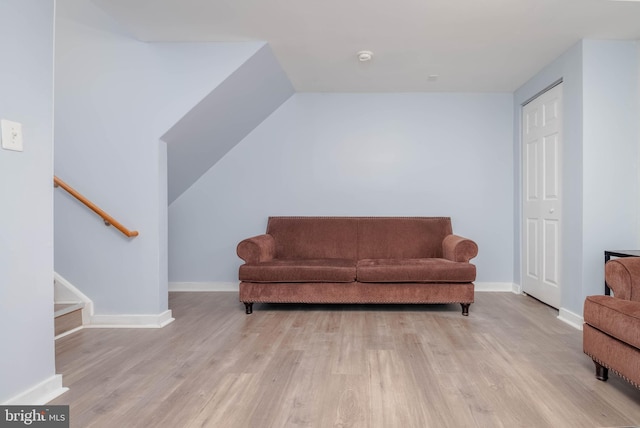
551 177
542 196
532 248
551 244
532 171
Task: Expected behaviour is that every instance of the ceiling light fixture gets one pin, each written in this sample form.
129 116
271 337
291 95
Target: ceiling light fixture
364 56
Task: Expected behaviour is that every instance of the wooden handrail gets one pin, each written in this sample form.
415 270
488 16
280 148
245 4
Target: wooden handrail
108 220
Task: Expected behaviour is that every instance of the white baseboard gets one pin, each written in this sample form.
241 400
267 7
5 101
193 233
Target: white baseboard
131 321
509 287
568 317
67 333
40 394
67 292
204 286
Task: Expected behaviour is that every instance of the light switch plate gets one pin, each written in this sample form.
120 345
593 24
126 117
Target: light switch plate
11 135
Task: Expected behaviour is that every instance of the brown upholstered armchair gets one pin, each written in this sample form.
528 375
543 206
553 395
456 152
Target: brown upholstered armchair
611 334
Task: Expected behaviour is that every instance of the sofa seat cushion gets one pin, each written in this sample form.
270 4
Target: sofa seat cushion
414 270
303 270
616 317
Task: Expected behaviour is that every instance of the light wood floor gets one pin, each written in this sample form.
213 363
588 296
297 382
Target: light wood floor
510 363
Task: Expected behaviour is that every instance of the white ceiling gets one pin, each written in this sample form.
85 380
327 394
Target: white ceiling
473 45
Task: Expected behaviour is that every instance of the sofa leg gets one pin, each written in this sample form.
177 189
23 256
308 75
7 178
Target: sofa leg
465 309
602 373
248 307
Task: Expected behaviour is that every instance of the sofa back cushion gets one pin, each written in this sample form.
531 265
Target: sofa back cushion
402 237
314 237
358 238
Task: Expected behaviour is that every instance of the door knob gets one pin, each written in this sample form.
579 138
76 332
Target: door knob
552 210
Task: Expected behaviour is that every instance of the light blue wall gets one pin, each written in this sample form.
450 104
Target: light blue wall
356 154
223 118
115 98
600 160
611 188
26 191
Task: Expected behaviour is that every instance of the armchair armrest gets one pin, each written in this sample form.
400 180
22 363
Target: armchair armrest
623 277
459 249
257 249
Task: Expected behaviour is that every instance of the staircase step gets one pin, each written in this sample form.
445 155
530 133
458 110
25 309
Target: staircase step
64 308
67 317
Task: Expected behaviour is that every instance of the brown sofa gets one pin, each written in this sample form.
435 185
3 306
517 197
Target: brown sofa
611 331
357 260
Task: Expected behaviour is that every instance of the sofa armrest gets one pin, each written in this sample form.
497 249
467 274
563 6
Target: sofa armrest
459 249
623 277
257 249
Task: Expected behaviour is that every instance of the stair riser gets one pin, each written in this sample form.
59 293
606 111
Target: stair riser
68 321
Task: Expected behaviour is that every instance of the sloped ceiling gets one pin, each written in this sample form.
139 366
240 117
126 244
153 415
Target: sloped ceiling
223 118
472 45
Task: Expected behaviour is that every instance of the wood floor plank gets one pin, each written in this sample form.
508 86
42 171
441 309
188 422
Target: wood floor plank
389 387
511 363
302 398
230 403
272 386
